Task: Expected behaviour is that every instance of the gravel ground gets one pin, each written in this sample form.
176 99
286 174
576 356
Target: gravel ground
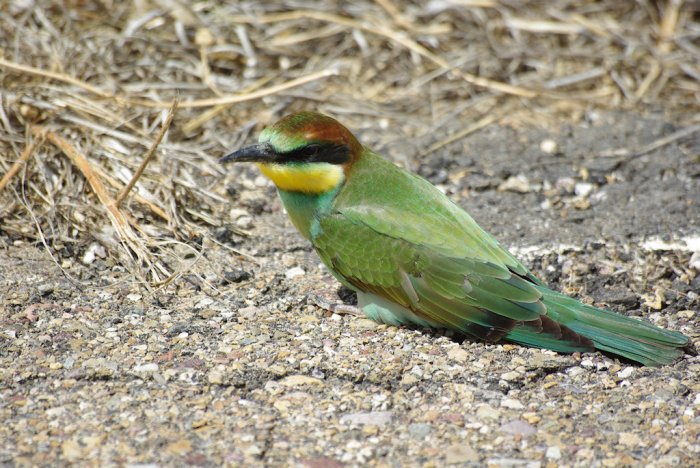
240 367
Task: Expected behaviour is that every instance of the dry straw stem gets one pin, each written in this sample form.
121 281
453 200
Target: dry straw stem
406 23
151 151
484 122
627 154
238 98
17 166
18 67
668 25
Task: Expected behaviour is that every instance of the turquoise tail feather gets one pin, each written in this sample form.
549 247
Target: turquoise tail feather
615 333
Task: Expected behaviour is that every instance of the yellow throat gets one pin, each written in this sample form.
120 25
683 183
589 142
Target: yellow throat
313 178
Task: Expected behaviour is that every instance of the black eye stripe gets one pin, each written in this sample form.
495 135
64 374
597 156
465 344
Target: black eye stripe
317 152
307 152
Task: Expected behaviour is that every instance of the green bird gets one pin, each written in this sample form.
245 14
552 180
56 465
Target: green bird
415 258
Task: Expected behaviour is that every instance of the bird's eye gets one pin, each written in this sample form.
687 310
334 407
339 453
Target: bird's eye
312 150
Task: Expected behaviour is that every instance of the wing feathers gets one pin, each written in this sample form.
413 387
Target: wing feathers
481 298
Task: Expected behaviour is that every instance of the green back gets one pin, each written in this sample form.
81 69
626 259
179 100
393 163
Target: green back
392 200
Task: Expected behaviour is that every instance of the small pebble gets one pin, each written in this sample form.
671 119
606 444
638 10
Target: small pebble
149 367
583 189
566 184
553 453
460 453
518 427
694 262
235 213
205 302
244 222
294 272
262 181
518 184
216 376
629 439
419 430
510 376
377 418
458 354
92 252
626 372
248 312
297 380
549 146
486 411
236 275
512 403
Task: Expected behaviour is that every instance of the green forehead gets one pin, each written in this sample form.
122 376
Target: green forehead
281 141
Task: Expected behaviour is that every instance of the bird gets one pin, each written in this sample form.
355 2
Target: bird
415 258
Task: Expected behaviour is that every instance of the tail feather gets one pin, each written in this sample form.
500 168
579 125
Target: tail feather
618 334
547 333
534 339
630 347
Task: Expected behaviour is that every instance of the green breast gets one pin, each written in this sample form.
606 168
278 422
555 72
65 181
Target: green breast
305 209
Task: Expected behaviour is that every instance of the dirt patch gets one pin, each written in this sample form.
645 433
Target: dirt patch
178 325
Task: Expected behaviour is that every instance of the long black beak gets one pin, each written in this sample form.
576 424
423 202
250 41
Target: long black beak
255 153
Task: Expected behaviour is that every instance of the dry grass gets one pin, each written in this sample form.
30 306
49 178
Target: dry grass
86 89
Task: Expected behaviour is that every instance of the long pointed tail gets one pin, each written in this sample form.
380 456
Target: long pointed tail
618 334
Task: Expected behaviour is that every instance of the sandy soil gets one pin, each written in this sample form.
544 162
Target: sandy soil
241 367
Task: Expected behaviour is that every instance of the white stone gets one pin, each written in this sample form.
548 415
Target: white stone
460 453
587 363
626 372
565 183
583 189
207 301
458 354
695 261
486 411
294 272
375 418
150 367
261 181
244 222
512 403
235 213
518 184
553 453
248 312
93 251
549 146
297 380
510 376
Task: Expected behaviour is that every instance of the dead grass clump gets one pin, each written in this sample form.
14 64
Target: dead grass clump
91 150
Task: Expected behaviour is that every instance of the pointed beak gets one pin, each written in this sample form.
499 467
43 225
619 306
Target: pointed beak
255 153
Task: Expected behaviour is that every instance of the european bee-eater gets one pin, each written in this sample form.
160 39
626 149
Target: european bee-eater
414 257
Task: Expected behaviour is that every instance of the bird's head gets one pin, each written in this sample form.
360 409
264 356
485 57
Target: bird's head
303 152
